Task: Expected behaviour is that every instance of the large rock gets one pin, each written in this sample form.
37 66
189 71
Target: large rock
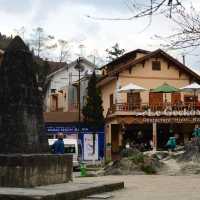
21 114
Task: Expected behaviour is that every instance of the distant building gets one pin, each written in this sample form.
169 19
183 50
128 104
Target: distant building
62 93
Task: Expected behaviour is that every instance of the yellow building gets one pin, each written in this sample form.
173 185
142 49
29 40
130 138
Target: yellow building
155 116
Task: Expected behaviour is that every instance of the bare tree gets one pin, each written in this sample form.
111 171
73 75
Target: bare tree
64 50
187 33
21 32
147 8
40 41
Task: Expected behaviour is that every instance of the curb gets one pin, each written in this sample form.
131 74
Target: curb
70 195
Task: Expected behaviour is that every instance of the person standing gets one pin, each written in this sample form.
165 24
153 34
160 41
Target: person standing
58 145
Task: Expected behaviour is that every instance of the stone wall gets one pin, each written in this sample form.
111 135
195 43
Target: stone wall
29 170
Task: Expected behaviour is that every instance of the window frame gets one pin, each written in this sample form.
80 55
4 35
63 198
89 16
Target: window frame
155 64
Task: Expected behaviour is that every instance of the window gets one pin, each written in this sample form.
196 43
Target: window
111 100
156 65
70 148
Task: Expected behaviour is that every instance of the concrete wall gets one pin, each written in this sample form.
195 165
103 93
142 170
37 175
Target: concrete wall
106 91
34 170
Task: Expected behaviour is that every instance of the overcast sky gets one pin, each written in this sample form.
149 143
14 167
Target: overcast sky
67 19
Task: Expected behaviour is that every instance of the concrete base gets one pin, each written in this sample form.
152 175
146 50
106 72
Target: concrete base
30 170
80 188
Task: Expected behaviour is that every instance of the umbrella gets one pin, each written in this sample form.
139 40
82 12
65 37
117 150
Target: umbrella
194 87
165 88
131 88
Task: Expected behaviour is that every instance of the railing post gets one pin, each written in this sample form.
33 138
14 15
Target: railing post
154 136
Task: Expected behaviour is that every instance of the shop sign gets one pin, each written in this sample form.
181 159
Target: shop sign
172 120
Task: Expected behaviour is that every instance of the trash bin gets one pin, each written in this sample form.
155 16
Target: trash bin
83 171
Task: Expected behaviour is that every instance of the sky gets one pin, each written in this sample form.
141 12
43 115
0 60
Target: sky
67 19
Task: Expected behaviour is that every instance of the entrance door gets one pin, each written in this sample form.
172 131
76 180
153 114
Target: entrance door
155 99
54 103
133 99
115 141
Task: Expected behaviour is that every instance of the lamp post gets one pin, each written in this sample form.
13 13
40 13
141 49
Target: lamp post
79 68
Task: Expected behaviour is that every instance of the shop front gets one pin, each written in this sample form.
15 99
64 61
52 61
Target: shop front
91 145
146 132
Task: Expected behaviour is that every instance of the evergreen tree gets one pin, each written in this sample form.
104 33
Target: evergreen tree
115 52
4 41
93 110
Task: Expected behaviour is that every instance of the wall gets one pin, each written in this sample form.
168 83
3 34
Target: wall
34 170
106 91
144 76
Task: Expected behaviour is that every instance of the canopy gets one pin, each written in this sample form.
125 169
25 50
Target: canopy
165 88
191 88
131 88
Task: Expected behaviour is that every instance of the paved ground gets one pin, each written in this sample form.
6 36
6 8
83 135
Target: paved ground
80 187
158 187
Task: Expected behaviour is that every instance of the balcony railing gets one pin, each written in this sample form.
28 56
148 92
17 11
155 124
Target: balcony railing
156 109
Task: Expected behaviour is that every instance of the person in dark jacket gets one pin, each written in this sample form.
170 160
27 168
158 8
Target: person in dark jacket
58 145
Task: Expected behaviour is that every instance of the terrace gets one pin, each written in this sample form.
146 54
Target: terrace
162 109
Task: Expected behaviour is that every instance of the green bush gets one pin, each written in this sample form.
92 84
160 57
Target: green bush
148 169
137 158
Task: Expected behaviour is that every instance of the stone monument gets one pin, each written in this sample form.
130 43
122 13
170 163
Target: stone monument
24 157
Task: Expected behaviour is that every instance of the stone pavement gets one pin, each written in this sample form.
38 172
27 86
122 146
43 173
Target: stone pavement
158 187
79 188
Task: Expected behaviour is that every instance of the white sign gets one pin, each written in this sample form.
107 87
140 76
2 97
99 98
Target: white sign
90 151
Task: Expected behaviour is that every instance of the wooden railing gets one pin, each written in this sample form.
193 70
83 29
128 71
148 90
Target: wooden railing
125 107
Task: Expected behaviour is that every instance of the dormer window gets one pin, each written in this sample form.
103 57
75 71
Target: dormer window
156 65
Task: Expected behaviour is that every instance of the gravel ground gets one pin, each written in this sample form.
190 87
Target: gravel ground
157 187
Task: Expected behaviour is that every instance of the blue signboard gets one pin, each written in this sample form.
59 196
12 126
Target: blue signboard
68 128
73 128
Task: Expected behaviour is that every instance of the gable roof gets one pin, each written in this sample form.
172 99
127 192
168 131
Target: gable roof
54 66
155 53
125 57
72 64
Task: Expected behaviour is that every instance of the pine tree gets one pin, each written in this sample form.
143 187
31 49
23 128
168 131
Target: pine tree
93 110
115 52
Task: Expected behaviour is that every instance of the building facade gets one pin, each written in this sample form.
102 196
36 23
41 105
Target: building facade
62 113
144 117
62 93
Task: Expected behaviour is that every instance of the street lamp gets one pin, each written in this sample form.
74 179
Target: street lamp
80 69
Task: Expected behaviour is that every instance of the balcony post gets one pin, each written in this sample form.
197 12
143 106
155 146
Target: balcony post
154 136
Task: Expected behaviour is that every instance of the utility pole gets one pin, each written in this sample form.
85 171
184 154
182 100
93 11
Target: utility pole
79 68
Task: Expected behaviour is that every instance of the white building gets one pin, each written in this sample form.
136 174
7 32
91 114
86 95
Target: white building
62 92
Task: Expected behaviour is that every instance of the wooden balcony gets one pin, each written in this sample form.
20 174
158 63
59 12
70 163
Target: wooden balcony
164 109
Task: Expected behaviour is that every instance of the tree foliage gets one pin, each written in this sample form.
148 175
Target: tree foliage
4 41
115 52
93 110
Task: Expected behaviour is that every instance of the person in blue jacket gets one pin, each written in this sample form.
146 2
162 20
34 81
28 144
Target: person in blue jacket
58 145
171 143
